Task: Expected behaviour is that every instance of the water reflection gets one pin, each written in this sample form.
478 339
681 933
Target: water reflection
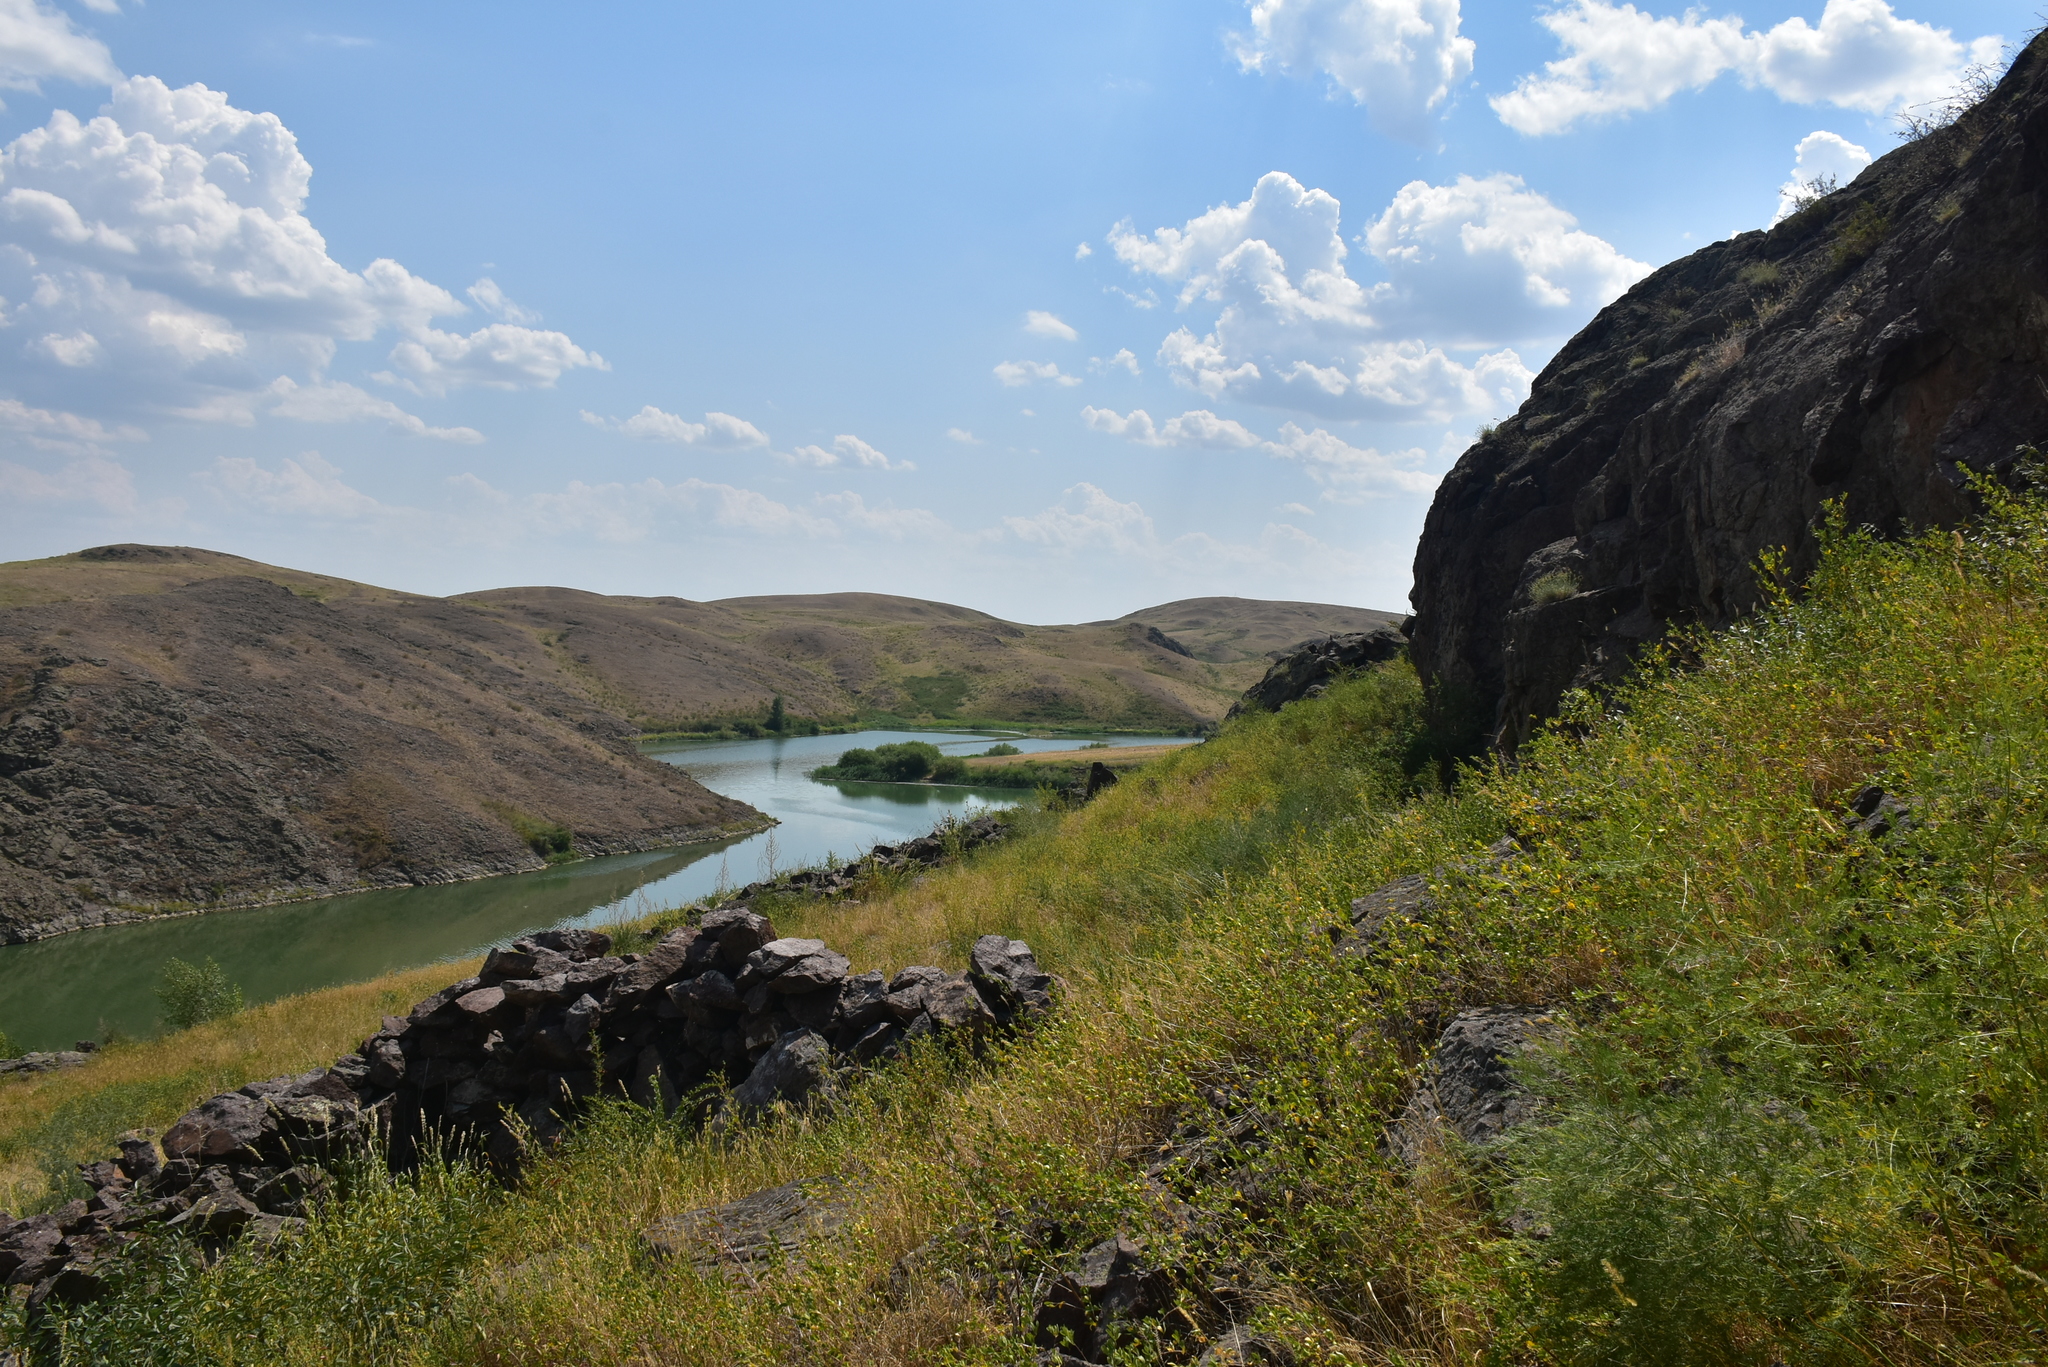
77 986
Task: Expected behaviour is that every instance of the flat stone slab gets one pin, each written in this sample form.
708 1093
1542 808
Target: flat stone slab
754 1230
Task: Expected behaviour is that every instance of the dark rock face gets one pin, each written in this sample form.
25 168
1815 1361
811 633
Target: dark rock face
1872 347
1311 668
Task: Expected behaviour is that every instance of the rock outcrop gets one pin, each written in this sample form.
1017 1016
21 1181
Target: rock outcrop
1308 669
1872 347
496 1064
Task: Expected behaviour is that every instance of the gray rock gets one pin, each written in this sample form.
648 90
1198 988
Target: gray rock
709 991
1314 665
796 1070
954 1005
222 1125
754 1230
1469 1091
863 1000
1113 1284
1008 973
739 932
579 1018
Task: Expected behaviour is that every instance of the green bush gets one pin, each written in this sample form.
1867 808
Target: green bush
905 762
1002 748
1553 587
950 769
193 994
7 1049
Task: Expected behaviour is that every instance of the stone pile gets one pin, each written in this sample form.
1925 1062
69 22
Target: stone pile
497 1063
926 851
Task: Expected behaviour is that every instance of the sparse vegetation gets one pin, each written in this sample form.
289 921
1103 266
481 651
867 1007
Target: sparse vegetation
1761 275
1554 587
1979 79
1859 235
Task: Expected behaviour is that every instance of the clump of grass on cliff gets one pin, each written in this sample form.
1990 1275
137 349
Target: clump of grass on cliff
1799 1115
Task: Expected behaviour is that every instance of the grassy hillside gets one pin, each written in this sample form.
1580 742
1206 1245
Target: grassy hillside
671 663
1797 1115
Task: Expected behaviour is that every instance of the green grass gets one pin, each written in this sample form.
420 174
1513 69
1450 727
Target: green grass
1798 1117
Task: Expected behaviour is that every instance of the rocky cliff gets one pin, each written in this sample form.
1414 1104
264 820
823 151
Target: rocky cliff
1872 347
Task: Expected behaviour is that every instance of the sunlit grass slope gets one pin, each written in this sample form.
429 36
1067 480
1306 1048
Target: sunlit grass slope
1798 1117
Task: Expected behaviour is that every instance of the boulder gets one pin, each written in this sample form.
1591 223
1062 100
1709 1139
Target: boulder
754 1230
1469 1091
1314 666
795 1070
1008 975
222 1125
1113 1284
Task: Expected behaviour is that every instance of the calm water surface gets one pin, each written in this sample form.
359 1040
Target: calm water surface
80 986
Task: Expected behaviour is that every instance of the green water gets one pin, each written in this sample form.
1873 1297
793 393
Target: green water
80 986
83 985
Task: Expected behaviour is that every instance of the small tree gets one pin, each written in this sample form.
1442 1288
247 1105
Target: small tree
193 994
776 719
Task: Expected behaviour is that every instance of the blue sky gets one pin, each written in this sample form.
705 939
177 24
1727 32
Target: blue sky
1054 310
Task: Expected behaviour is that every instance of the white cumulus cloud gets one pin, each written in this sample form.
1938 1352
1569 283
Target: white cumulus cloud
719 431
487 295
1401 59
1015 373
58 429
1819 156
1197 427
1489 260
1346 472
848 450
1039 323
1123 360
39 41
1619 60
1475 263
165 240
497 356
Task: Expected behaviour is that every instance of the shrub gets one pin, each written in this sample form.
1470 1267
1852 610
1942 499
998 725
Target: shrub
1553 587
193 994
905 762
1762 275
1859 236
7 1049
1002 748
950 769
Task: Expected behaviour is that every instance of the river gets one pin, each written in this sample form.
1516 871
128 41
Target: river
83 985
